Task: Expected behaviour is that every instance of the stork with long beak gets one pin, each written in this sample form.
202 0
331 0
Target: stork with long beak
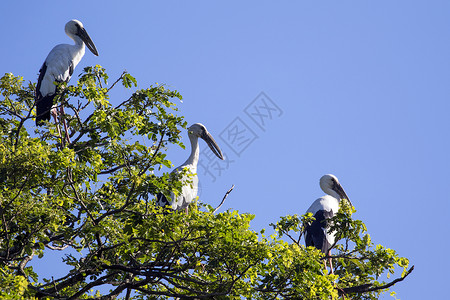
190 188
324 208
58 67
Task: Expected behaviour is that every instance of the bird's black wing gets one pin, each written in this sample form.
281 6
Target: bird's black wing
315 233
70 71
42 71
43 104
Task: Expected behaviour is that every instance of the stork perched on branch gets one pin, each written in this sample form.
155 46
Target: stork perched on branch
58 67
324 208
189 189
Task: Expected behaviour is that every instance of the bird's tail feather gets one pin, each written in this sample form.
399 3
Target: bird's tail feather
43 107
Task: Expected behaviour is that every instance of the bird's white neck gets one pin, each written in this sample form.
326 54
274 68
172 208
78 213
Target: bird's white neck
195 152
78 41
77 50
333 194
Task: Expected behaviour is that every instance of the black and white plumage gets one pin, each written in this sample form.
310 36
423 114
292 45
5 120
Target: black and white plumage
324 208
190 189
59 66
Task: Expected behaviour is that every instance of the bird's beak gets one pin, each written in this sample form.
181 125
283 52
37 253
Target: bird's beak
207 137
340 190
82 33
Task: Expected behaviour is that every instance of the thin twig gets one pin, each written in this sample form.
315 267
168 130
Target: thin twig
128 100
22 121
223 200
163 133
75 192
289 236
121 76
300 236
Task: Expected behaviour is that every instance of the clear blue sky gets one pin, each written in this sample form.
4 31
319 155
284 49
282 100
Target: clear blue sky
361 90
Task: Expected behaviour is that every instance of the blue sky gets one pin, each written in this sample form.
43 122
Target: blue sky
361 90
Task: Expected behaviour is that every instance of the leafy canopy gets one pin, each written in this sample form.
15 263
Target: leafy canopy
90 198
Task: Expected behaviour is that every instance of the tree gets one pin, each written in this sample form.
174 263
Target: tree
95 197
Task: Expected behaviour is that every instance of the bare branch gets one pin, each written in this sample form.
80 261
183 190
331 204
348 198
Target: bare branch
224 198
56 248
365 288
121 76
24 262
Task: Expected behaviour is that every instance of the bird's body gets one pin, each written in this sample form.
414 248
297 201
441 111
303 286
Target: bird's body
324 208
316 234
190 187
59 66
188 191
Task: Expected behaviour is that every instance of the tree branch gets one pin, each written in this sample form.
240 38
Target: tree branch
224 198
121 76
365 288
24 262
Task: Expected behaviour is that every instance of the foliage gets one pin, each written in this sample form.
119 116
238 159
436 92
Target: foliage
88 196
358 263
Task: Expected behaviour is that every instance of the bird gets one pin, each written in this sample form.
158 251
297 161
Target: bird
189 189
324 208
59 66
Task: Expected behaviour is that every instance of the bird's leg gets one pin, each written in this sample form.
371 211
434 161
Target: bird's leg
54 113
65 124
186 209
331 263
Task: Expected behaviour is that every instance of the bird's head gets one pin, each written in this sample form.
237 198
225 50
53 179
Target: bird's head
330 185
199 130
75 28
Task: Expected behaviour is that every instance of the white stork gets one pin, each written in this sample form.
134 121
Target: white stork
325 207
59 66
189 190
